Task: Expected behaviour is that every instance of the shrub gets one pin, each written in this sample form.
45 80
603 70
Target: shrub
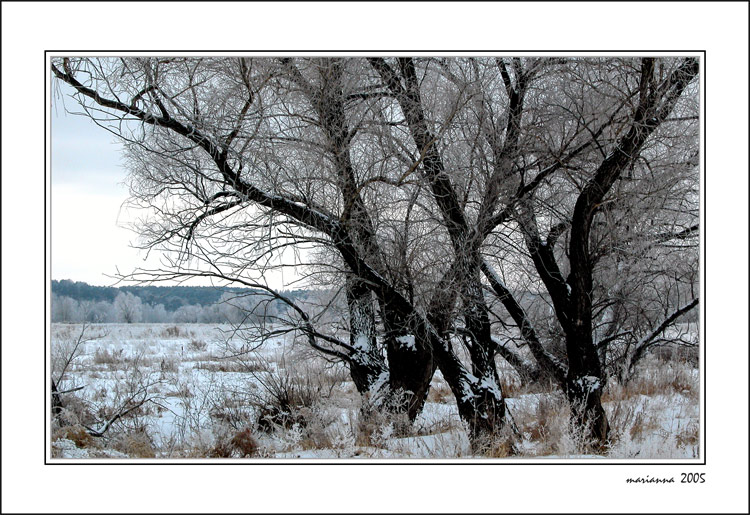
290 396
77 434
136 444
244 443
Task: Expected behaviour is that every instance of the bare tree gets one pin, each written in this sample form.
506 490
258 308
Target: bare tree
626 162
128 307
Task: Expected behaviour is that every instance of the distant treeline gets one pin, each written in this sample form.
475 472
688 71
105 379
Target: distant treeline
171 297
74 301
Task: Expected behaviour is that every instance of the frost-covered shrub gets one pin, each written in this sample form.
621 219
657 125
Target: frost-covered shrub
289 396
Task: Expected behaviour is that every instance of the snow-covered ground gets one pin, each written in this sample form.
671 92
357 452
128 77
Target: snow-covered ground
190 400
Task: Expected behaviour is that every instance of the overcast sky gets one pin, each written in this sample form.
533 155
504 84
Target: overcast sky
87 192
89 240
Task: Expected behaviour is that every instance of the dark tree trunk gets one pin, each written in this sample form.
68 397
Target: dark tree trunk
584 385
587 412
489 414
480 401
411 372
367 366
410 363
57 404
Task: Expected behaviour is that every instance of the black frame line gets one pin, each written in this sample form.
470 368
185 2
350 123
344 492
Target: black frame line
380 461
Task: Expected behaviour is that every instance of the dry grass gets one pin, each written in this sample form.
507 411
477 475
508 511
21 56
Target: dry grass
75 433
502 445
172 332
291 402
103 356
231 366
196 345
440 393
543 423
136 444
656 377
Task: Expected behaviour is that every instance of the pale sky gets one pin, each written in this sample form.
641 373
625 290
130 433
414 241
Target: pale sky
88 239
87 192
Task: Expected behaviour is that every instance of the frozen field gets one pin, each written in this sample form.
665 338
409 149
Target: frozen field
167 391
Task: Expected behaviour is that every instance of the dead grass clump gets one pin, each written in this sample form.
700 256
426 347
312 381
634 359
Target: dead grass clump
511 386
380 419
197 345
221 449
75 412
440 393
169 365
688 437
621 415
107 357
76 434
172 332
244 443
231 410
136 444
644 426
315 437
547 428
543 425
241 444
289 396
656 378
502 445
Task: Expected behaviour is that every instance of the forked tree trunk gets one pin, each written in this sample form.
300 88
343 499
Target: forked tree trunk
480 402
401 384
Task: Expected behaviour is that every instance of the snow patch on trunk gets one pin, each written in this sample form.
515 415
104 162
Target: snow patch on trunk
361 342
407 341
588 383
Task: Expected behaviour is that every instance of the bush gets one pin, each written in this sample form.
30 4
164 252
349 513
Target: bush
76 434
244 443
136 444
290 396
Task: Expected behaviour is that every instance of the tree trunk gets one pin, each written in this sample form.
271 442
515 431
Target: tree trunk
587 412
57 405
367 365
411 369
584 385
410 362
480 400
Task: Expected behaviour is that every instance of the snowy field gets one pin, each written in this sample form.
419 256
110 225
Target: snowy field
167 391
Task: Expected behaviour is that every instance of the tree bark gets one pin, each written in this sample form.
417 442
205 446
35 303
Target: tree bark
57 404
